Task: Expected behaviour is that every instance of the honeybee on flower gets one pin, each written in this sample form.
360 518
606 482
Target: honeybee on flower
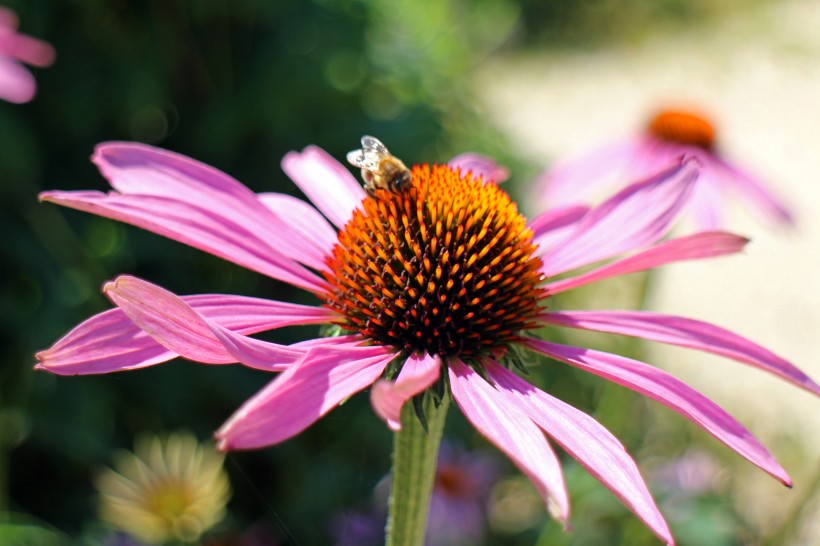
381 170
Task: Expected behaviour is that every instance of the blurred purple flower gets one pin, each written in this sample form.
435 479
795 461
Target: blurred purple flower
16 82
457 514
359 527
694 472
118 538
670 135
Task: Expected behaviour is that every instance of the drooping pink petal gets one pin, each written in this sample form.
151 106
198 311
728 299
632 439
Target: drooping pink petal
574 181
25 48
194 226
552 226
388 397
585 439
512 431
110 341
139 169
691 247
708 200
685 333
348 340
17 85
480 165
580 178
671 392
302 394
304 219
8 19
636 216
326 182
179 327
754 192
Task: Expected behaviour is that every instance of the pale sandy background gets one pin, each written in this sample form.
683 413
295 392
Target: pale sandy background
758 72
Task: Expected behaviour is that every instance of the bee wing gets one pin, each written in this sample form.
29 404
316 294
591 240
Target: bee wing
373 144
369 156
363 159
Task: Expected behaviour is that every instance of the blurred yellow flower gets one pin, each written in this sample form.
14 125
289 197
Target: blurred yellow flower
171 488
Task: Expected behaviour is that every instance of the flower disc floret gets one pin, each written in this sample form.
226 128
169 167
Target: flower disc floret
445 267
685 128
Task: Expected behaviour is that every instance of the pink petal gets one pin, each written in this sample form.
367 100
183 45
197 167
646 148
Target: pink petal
638 215
551 227
304 219
302 394
557 218
193 226
388 397
512 431
17 85
585 439
111 342
350 340
752 190
141 170
574 181
26 49
685 333
177 326
8 19
671 392
480 165
326 182
708 201
692 247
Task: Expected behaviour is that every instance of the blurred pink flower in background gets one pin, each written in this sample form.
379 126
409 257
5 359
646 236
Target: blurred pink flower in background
458 512
458 515
16 82
480 165
692 473
669 135
434 286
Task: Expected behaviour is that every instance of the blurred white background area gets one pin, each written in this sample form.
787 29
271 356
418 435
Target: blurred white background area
757 72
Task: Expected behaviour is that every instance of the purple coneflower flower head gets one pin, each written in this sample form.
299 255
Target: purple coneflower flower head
669 134
433 285
16 82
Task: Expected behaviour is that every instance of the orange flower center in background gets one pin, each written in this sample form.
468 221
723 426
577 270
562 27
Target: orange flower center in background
683 128
454 482
445 267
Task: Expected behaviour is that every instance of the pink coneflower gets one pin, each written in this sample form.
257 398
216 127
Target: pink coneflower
16 83
669 134
432 285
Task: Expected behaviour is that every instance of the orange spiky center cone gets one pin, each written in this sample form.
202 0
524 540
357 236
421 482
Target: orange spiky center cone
682 127
445 267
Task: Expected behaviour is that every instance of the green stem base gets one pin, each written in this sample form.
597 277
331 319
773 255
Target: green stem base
414 468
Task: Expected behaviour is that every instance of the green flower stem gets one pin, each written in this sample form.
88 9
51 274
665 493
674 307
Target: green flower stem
414 469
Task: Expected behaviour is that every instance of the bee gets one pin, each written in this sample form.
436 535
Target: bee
380 169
